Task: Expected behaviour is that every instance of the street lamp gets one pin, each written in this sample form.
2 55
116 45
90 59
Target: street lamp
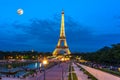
62 73
62 59
9 68
45 62
62 68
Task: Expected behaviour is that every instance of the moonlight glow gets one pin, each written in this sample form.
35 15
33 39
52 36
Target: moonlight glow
20 11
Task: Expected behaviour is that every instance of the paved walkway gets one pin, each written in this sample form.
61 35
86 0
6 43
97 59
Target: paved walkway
80 74
55 73
58 72
100 75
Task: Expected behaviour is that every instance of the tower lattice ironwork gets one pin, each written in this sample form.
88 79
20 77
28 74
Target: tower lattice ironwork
62 43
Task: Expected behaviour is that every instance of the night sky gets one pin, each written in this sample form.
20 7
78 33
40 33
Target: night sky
89 24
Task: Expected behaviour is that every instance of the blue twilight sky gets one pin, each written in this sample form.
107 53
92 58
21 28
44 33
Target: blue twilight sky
90 24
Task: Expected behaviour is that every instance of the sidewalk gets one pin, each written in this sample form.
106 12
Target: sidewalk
80 74
100 75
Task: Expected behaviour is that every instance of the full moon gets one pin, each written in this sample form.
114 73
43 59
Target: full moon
20 11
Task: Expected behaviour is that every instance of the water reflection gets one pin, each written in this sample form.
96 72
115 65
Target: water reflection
20 71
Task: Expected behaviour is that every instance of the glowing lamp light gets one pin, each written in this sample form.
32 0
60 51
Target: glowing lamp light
62 59
45 62
17 57
40 65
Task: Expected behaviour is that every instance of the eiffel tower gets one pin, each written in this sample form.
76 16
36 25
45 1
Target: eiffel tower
62 43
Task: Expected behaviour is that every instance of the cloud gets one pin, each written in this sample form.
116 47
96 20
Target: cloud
13 46
44 34
47 30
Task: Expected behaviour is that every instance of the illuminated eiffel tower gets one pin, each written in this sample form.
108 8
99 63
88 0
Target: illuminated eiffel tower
62 44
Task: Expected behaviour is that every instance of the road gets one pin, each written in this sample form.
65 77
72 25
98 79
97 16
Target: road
100 75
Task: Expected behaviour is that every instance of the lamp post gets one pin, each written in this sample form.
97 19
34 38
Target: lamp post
45 62
9 68
62 73
62 68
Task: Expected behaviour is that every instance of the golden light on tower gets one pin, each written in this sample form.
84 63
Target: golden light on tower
62 39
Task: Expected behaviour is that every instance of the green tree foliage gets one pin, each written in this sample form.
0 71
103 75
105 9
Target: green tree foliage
109 55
